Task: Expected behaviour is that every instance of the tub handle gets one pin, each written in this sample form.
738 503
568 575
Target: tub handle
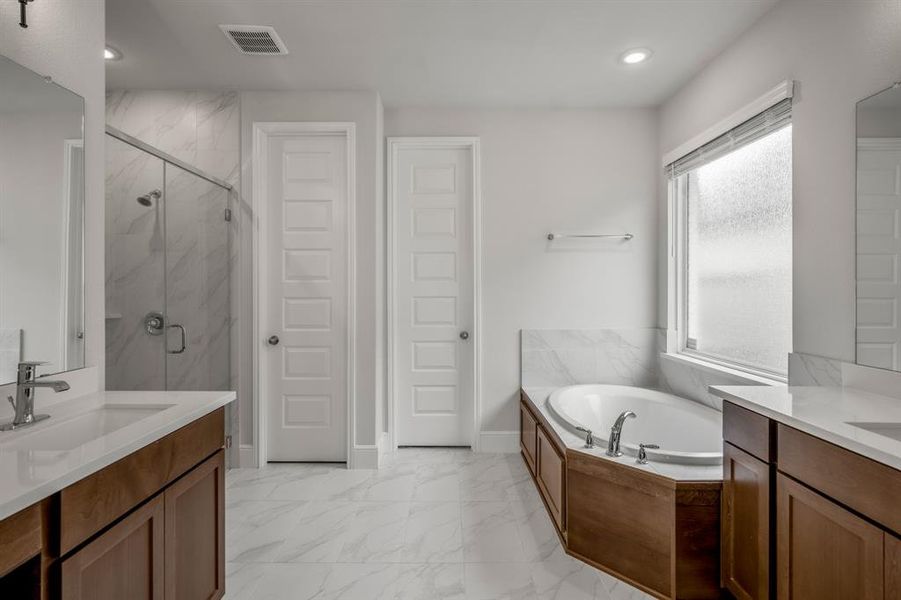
642 455
589 438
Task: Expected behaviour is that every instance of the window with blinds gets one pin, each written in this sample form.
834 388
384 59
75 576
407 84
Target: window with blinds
732 209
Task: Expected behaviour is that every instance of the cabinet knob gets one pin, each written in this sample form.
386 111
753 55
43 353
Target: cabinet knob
273 340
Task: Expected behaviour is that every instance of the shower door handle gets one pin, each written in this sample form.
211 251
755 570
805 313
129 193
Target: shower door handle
184 338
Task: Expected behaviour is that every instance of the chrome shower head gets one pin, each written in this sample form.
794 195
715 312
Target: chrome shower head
147 199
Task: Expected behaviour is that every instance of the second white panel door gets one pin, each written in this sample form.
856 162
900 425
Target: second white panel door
306 241
433 212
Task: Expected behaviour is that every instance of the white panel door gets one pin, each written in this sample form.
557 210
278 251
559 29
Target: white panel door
879 253
433 349
306 241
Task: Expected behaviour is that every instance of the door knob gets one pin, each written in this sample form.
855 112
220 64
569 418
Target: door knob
464 335
273 340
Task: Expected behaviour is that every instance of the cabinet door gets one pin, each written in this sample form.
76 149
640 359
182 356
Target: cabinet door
195 549
527 435
824 551
124 562
745 525
551 471
892 567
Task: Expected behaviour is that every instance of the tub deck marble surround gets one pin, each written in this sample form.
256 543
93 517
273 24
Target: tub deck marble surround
539 397
433 524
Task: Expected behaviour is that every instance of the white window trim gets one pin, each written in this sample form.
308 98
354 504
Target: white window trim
677 223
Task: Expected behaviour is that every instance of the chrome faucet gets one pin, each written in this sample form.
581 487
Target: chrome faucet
643 455
616 431
589 438
23 403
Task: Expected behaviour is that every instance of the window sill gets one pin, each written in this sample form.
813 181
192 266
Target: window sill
707 366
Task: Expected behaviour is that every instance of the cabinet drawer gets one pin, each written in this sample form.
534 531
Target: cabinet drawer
91 504
551 471
528 428
864 485
753 433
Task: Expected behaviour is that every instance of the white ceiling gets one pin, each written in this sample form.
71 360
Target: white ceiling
511 53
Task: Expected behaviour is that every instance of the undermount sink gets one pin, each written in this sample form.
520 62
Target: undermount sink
76 431
890 430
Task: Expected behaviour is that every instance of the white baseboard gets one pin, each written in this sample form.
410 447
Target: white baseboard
247 457
364 457
499 441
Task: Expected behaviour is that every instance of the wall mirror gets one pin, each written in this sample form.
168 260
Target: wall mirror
879 230
41 223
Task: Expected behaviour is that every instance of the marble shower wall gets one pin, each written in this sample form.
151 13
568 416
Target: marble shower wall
202 129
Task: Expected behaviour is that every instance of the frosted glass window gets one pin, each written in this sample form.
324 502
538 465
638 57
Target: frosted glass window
737 256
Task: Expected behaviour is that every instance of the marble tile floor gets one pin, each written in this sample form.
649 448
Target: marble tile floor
433 524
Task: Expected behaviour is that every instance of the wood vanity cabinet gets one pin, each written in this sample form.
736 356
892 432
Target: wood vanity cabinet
147 527
171 547
803 518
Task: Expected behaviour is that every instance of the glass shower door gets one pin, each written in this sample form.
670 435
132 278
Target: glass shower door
197 283
135 268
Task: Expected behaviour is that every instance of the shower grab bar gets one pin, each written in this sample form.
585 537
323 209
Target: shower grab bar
184 339
624 236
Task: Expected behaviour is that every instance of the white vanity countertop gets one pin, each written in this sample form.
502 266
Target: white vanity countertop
29 472
540 395
825 412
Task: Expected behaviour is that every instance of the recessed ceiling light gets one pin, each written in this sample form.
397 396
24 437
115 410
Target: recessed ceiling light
635 56
110 53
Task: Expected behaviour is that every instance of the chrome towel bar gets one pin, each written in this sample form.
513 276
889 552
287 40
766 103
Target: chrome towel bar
624 236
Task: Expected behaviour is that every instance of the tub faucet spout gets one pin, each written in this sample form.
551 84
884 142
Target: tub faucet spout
616 432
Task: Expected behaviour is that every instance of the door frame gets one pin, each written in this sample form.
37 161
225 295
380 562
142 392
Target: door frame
395 145
263 131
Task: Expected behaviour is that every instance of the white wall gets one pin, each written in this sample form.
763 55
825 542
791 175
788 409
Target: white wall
363 108
554 170
839 53
65 40
880 122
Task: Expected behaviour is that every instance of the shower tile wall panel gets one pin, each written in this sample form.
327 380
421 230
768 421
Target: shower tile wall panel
559 357
555 358
202 129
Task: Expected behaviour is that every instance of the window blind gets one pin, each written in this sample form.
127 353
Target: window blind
773 118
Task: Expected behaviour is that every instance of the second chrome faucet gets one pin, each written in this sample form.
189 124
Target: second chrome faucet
615 433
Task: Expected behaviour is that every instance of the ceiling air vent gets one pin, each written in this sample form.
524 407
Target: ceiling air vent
255 39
